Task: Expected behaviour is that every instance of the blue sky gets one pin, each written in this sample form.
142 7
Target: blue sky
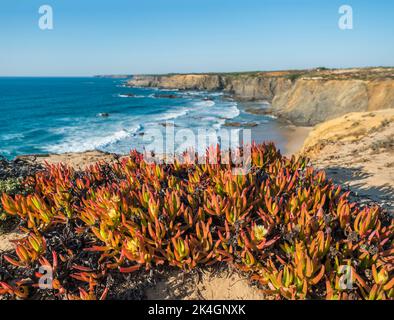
160 36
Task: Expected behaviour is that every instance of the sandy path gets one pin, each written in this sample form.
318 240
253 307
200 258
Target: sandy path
207 285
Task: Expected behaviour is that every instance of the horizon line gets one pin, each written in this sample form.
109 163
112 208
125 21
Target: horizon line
192 72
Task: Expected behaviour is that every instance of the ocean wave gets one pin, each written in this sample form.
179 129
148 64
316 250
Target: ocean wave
171 115
83 142
5 152
195 93
207 103
208 118
11 136
215 94
229 112
271 116
60 130
234 111
167 90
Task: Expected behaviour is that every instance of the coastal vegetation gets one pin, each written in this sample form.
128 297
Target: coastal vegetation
286 226
11 178
11 187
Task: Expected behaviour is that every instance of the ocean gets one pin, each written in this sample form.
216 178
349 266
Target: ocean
58 115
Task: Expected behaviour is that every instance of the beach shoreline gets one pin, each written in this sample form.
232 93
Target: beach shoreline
291 140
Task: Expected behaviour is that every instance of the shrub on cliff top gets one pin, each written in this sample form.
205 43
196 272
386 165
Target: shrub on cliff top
292 230
295 76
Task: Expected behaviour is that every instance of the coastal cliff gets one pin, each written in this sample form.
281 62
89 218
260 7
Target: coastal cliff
304 97
243 86
312 101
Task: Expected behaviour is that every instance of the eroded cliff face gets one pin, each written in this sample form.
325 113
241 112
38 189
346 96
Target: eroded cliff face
311 101
242 87
179 81
256 88
303 97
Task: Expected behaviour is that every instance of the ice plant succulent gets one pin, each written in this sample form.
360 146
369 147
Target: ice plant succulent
283 222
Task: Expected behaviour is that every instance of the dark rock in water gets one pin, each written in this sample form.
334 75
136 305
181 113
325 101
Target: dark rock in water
168 124
129 95
241 124
166 96
259 111
103 115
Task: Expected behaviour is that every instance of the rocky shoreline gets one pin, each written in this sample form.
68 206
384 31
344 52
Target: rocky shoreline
304 97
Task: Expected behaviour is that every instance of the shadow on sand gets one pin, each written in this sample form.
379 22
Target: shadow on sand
354 180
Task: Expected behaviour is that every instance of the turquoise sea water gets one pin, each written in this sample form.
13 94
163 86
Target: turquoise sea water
57 115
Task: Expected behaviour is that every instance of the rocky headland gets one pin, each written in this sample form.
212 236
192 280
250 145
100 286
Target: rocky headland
304 97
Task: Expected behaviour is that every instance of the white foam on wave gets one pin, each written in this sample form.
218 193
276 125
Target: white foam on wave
60 130
271 116
227 112
207 103
216 116
11 136
84 141
167 90
194 93
209 118
216 94
174 114
233 112
5 152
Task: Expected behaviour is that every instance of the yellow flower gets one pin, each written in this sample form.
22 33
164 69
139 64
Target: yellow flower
113 214
132 246
259 232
